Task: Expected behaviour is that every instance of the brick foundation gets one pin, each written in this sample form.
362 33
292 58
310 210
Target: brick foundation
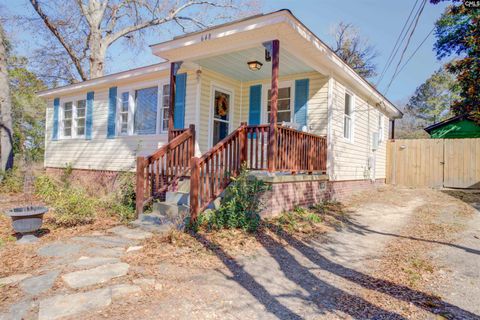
285 196
90 179
341 190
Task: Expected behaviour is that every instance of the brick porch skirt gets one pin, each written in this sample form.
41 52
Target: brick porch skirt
285 196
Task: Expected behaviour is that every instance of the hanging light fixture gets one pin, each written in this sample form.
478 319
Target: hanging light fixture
254 65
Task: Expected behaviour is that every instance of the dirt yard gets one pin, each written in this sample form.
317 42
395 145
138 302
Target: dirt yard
393 253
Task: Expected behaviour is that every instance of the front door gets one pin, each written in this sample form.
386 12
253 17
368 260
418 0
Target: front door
221 114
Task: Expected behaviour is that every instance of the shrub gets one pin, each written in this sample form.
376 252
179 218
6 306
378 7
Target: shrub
239 207
11 181
299 220
72 206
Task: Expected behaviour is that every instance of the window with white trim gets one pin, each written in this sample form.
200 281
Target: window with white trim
123 112
143 109
73 118
80 112
165 107
284 104
67 119
348 117
381 128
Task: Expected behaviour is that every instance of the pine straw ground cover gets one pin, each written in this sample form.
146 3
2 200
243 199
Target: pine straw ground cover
406 269
16 259
397 283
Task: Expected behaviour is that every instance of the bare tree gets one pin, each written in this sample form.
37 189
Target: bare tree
355 50
83 30
6 136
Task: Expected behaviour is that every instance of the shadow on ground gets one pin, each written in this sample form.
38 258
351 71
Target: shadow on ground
326 296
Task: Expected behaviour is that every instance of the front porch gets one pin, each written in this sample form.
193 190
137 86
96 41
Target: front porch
251 109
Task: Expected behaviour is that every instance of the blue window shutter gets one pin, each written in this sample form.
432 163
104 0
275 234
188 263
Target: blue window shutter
255 105
112 112
56 110
301 101
179 112
89 118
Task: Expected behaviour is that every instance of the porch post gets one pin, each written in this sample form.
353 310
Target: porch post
171 107
272 138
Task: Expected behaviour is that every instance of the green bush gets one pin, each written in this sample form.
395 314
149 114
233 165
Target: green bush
11 181
72 206
239 207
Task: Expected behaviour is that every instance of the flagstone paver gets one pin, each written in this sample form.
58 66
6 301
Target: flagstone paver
58 249
13 279
89 262
130 233
101 274
39 284
65 305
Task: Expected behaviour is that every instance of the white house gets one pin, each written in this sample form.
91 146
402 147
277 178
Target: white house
223 76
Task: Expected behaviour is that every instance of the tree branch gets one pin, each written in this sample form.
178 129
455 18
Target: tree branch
51 26
171 16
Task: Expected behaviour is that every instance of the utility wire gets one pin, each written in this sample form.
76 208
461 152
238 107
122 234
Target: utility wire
414 52
406 45
394 51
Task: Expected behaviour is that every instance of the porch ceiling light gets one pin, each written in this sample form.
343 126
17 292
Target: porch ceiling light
254 65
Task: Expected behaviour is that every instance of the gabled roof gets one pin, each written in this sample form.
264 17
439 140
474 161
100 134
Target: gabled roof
321 54
464 116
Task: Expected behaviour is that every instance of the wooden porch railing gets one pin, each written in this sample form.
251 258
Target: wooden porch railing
176 132
299 151
162 170
210 174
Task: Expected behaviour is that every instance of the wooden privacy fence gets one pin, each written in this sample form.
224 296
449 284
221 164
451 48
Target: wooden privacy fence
437 163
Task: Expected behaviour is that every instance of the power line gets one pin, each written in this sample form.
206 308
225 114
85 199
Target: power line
406 45
414 52
394 51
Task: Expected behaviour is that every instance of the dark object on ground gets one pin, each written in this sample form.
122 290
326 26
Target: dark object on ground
27 220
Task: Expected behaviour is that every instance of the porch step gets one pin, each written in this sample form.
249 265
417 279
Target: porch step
178 197
164 217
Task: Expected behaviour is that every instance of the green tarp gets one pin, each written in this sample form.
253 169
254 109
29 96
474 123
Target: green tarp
463 128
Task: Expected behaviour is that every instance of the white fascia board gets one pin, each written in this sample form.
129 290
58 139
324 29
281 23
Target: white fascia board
218 33
105 80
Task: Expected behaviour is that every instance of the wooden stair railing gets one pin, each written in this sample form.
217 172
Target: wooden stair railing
161 170
211 173
296 151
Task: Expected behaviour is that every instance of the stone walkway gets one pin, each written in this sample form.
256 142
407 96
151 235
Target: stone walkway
84 274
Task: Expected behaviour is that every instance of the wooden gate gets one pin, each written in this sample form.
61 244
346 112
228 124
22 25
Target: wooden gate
436 163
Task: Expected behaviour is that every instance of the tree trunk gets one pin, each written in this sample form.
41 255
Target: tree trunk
6 131
98 51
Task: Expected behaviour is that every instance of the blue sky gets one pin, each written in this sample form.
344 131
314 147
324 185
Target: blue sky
378 20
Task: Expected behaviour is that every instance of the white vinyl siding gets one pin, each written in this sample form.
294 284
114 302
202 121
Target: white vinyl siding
357 160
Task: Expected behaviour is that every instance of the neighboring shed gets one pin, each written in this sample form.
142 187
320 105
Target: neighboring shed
461 126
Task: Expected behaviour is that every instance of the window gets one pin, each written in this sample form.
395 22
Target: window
348 117
380 128
67 119
80 117
284 112
73 118
145 118
124 108
165 107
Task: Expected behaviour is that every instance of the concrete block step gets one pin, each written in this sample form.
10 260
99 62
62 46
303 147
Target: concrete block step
184 185
172 211
177 197
161 229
